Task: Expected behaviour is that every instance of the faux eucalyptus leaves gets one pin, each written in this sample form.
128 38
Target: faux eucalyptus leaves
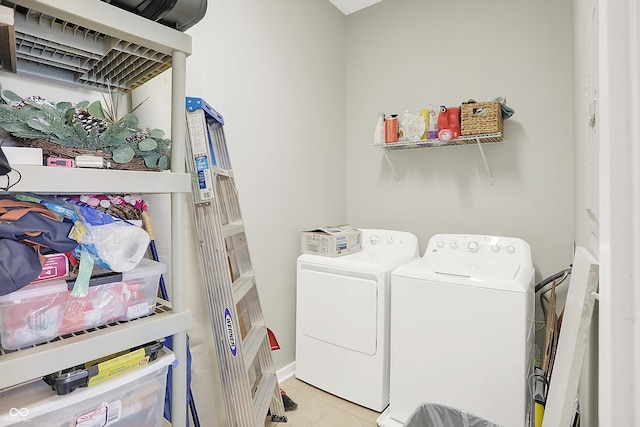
86 126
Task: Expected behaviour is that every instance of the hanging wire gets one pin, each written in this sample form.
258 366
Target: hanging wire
9 184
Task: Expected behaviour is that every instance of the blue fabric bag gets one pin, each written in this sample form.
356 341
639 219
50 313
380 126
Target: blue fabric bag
26 228
32 222
19 265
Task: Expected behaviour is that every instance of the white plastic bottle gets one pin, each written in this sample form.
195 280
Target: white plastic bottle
378 135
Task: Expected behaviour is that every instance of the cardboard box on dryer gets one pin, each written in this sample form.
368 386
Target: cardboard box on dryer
332 241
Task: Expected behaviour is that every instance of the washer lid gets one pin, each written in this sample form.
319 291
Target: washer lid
495 269
489 274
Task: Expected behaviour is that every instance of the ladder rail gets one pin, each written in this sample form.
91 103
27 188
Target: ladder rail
249 382
235 385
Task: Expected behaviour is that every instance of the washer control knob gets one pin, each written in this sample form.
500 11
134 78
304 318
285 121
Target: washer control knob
454 245
473 247
440 244
374 239
390 240
511 249
495 248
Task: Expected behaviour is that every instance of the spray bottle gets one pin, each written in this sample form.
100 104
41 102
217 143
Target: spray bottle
432 132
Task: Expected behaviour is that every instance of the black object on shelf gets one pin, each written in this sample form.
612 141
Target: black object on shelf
67 380
177 14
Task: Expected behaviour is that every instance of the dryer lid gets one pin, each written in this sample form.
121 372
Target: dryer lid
363 261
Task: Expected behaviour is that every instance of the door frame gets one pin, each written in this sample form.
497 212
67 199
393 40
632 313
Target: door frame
619 327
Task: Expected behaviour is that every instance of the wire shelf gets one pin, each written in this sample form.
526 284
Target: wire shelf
161 307
489 138
478 140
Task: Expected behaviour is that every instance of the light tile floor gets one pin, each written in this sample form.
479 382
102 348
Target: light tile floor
319 409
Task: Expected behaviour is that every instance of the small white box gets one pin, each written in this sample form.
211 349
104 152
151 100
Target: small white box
132 399
332 241
23 155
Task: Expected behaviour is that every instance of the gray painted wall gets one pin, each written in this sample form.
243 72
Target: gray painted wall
405 54
276 72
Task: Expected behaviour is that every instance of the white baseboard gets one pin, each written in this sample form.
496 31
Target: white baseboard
286 372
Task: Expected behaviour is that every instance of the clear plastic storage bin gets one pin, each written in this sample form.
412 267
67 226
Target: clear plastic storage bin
41 311
132 399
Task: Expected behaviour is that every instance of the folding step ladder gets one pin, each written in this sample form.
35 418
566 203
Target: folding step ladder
247 373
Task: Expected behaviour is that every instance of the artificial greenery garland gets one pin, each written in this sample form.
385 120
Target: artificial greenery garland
84 126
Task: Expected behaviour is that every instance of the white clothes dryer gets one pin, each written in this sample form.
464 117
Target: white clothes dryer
462 330
342 317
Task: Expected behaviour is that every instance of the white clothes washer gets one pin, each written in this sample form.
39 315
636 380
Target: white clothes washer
462 330
342 317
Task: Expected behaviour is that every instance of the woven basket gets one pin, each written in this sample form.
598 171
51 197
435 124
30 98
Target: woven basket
481 118
56 150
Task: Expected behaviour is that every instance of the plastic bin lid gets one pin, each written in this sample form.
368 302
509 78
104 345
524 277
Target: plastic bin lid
35 290
147 267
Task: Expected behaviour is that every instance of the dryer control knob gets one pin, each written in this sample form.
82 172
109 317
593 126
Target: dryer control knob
390 240
454 245
374 239
440 244
473 247
495 248
511 249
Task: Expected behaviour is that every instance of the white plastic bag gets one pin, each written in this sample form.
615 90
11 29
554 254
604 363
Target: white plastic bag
434 415
412 126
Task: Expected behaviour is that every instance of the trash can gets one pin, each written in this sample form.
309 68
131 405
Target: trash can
434 415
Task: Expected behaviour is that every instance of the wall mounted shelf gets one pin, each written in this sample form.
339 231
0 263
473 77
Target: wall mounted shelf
478 140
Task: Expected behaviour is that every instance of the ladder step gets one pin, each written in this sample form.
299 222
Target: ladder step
223 172
262 397
232 229
241 287
256 337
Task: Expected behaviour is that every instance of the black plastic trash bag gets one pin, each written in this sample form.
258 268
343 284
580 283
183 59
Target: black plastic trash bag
434 415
